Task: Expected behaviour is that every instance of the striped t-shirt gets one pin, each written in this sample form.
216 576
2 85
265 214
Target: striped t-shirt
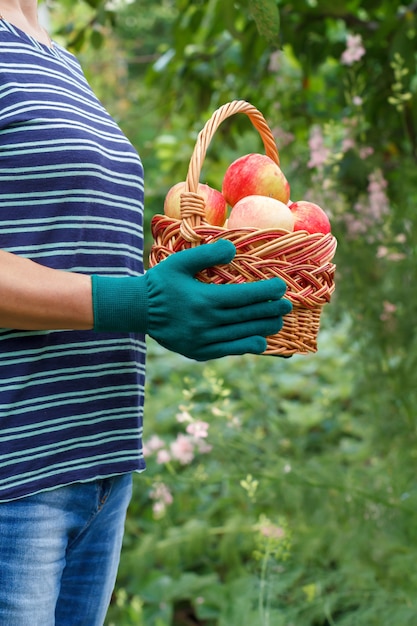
71 198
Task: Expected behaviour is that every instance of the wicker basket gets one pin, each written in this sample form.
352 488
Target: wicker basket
301 259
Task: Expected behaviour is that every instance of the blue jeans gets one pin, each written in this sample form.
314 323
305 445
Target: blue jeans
59 553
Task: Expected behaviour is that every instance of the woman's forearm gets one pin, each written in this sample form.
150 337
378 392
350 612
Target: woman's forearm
35 297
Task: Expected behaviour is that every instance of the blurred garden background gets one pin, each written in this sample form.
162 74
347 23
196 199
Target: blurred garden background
279 492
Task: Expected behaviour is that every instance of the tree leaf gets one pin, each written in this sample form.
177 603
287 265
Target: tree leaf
266 15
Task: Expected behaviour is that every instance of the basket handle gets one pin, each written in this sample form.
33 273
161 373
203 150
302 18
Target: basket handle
192 205
206 134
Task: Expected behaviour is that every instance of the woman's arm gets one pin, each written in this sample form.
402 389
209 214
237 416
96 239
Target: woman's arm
34 297
199 320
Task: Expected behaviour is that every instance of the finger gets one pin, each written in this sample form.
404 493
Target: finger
249 313
243 294
249 345
241 330
193 260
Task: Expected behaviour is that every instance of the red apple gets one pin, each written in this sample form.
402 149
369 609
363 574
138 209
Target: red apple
254 174
261 212
215 204
310 217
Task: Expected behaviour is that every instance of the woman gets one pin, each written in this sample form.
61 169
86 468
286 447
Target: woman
75 306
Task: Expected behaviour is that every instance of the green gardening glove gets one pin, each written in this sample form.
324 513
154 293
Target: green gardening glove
198 320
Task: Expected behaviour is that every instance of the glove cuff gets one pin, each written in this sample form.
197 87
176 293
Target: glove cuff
120 304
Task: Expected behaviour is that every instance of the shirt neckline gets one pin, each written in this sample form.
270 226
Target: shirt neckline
24 35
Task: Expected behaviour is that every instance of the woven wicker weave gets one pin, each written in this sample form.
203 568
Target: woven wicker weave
302 260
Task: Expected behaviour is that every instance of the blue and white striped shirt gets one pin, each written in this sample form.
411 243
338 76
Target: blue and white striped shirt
71 198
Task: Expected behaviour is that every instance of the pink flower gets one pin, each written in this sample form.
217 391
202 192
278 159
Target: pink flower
365 152
275 62
396 256
161 492
283 137
388 312
371 211
151 446
378 200
356 225
182 449
162 457
203 447
347 144
162 498
198 429
155 443
158 509
354 50
272 531
318 151
382 252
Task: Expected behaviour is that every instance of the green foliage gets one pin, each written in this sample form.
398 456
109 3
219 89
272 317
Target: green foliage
294 515
317 451
266 16
82 23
